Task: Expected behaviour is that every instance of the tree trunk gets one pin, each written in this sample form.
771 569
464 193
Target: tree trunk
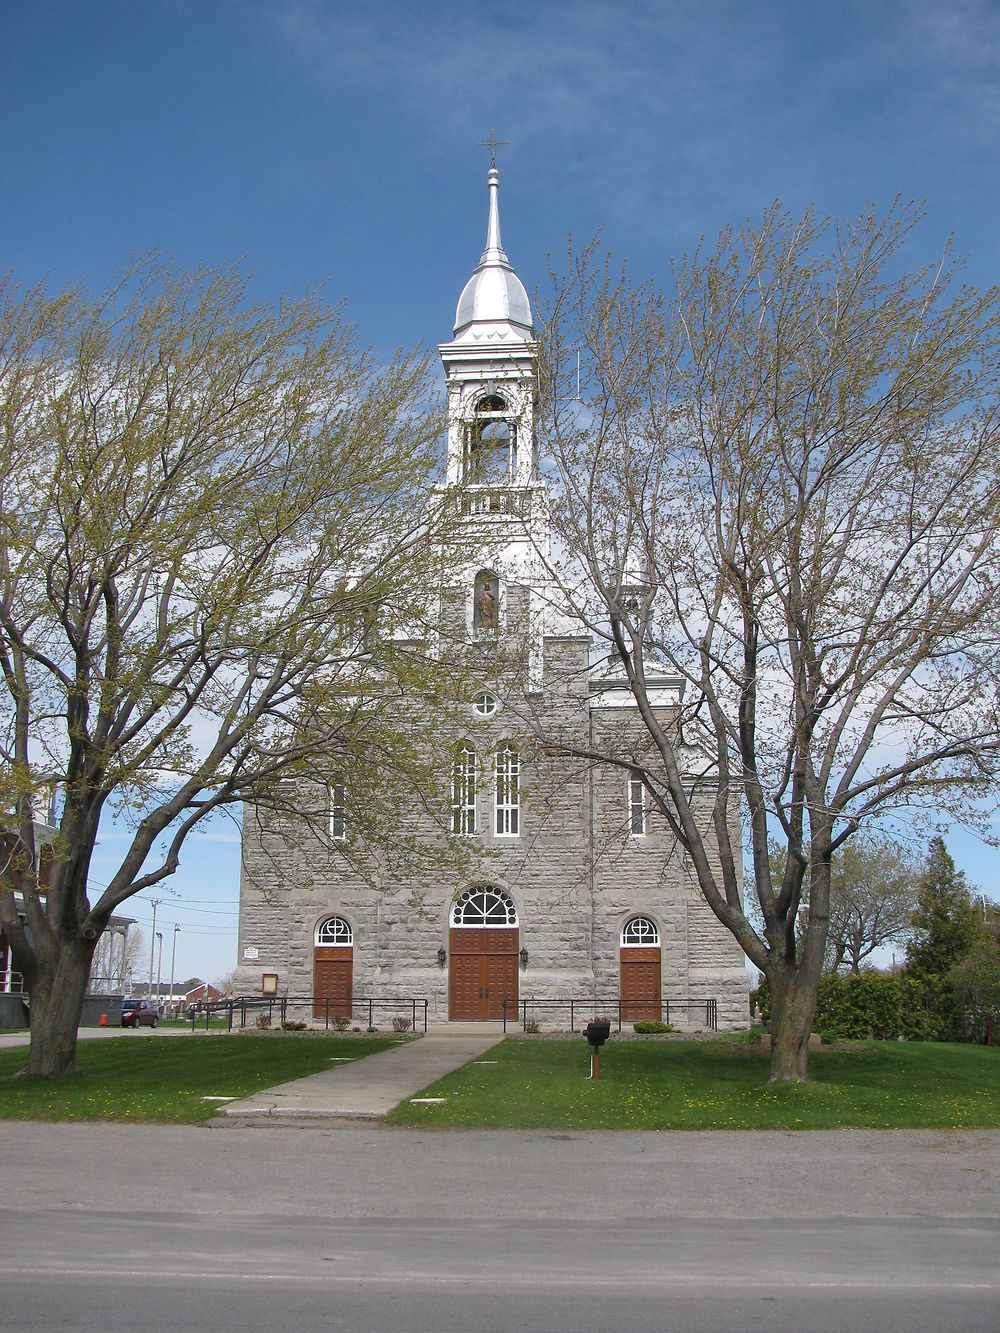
56 1006
793 1006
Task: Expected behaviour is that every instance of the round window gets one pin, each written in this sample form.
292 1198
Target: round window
485 704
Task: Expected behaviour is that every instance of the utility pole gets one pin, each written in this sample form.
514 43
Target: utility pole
173 955
159 967
152 945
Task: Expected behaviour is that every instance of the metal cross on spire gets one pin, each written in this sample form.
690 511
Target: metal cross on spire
492 143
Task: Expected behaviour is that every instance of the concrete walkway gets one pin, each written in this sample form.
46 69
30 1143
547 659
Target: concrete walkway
369 1088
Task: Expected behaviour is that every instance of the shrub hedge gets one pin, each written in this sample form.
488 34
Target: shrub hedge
877 1005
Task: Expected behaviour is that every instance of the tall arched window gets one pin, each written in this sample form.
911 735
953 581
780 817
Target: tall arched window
490 442
636 804
463 790
338 808
507 804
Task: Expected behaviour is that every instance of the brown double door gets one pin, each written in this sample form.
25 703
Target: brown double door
333 980
483 972
640 984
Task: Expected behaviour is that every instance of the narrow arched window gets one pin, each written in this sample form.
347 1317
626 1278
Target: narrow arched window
508 793
636 804
463 791
338 809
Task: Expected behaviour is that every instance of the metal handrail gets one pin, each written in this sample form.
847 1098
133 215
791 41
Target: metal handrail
244 1004
607 1006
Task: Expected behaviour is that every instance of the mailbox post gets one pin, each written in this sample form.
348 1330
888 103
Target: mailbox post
597 1031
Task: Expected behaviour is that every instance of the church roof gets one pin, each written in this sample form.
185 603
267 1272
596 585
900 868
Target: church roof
493 307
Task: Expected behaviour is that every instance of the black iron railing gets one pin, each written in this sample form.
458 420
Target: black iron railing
610 1007
324 1008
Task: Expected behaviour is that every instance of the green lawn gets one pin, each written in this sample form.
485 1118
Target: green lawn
220 1021
166 1078
714 1085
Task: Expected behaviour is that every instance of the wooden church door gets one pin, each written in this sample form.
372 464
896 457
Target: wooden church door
484 940
639 962
333 969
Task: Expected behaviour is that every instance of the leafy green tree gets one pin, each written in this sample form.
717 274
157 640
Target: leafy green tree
779 484
976 981
215 546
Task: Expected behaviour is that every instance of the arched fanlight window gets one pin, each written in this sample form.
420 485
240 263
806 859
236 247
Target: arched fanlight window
490 442
463 790
640 932
484 906
507 802
334 930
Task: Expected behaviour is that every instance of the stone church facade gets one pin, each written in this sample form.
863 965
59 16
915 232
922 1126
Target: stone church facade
582 893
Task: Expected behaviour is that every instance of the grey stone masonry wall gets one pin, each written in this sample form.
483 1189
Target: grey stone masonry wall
574 873
650 875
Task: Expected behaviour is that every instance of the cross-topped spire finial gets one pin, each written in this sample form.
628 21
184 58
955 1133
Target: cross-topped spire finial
492 143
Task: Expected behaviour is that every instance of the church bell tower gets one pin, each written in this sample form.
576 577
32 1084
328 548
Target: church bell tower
490 373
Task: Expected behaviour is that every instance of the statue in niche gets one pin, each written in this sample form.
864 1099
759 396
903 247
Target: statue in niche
485 611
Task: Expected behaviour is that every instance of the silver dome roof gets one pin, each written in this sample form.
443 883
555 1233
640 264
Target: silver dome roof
494 306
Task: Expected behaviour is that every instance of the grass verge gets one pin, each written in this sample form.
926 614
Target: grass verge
168 1078
715 1085
219 1021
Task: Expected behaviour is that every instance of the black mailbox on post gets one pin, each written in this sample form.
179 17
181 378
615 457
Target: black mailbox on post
597 1031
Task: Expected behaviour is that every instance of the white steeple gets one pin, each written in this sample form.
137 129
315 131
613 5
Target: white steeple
494 307
490 369
491 375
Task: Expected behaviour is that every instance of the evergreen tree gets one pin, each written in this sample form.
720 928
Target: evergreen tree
945 930
944 920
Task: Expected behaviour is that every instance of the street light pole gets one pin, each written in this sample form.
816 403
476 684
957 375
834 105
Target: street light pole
173 955
152 944
159 967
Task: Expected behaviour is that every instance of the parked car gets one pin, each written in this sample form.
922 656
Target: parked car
136 1012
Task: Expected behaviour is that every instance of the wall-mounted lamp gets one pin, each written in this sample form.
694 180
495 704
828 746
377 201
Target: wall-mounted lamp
442 956
524 959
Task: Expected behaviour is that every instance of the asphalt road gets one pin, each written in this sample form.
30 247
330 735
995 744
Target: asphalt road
344 1226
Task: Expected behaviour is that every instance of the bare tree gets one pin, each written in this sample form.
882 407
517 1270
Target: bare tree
226 983
873 895
782 484
116 955
214 567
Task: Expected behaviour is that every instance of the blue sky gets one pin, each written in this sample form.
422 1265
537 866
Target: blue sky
333 145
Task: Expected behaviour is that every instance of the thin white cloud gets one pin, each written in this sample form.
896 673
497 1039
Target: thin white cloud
962 39
700 113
